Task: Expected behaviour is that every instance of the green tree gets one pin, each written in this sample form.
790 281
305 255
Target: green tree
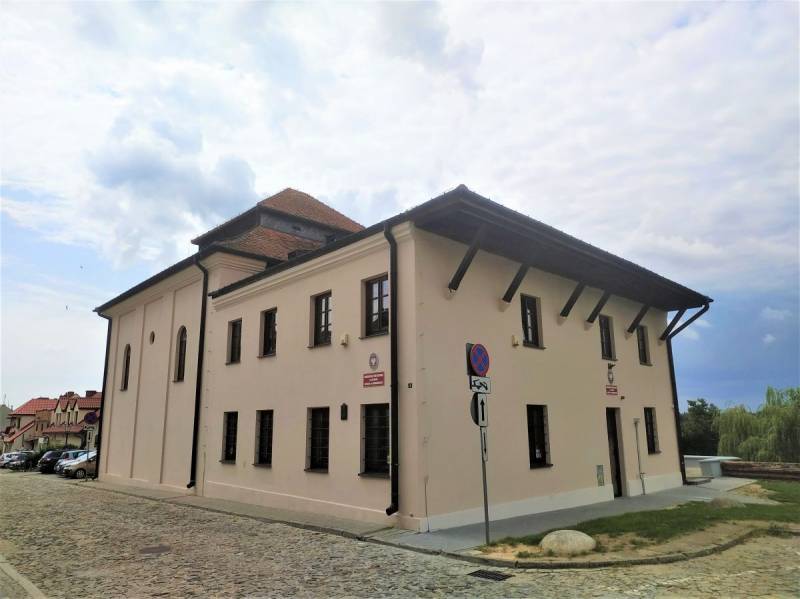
700 428
770 434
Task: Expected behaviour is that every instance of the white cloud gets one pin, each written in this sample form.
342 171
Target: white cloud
768 339
690 334
702 323
775 314
665 133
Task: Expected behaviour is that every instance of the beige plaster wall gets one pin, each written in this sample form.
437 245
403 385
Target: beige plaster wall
299 378
569 377
148 427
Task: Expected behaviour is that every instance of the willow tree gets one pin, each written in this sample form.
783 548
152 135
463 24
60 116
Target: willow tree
770 434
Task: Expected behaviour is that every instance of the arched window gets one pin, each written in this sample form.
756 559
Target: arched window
126 367
180 358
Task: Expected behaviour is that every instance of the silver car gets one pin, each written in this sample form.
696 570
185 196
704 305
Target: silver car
67 456
81 466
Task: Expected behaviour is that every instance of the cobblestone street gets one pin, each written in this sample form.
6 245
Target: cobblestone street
71 540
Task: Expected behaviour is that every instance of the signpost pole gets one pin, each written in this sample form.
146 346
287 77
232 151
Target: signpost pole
479 383
482 431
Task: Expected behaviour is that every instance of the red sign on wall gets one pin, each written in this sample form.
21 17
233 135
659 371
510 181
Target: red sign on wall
611 390
374 379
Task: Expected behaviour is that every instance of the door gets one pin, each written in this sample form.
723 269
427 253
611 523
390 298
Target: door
613 450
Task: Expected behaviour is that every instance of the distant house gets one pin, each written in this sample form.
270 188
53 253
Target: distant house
44 422
67 425
20 432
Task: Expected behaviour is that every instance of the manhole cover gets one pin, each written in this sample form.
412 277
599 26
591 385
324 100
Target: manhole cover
490 575
155 549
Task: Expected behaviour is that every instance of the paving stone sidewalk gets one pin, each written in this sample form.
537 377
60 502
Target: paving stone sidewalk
78 541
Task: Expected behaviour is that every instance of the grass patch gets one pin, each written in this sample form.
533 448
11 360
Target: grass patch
658 526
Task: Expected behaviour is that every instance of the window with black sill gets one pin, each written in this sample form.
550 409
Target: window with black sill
264 420
269 332
376 438
376 295
319 423
180 358
606 338
641 342
234 341
531 333
322 319
538 442
651 430
229 432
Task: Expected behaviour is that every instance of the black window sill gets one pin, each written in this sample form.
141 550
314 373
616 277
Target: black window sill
316 345
609 359
227 461
645 363
537 466
177 381
317 470
384 475
262 465
377 334
532 345
270 355
654 452
232 363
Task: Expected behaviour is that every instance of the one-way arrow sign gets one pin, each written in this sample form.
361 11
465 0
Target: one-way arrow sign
479 409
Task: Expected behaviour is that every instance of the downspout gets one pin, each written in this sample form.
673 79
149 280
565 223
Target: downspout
198 389
675 407
99 441
395 389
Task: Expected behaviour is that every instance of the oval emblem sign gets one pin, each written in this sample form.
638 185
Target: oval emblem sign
373 361
479 359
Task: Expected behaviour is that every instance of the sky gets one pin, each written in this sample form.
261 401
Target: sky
665 133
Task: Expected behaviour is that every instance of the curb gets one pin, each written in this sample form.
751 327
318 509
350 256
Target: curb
31 589
668 558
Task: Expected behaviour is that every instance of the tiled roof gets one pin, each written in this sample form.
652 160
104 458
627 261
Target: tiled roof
60 428
269 242
14 434
30 407
90 403
305 206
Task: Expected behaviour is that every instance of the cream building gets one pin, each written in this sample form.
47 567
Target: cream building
301 361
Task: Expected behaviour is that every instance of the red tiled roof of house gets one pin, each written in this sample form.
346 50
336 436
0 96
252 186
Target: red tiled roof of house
30 407
60 428
269 242
305 206
89 403
19 431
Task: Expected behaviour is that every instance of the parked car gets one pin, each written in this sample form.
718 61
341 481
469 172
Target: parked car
80 467
67 456
49 460
24 460
7 457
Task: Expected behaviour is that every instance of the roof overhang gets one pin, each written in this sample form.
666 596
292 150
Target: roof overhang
459 214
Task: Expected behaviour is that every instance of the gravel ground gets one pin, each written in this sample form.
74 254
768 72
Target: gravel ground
72 540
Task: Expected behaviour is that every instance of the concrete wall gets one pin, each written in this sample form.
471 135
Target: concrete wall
569 377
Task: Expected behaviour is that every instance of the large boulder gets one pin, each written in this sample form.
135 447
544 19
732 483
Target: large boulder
567 542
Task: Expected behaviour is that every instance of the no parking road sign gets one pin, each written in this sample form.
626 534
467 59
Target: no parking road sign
477 359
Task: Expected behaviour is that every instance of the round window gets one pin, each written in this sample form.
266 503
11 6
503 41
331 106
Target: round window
152 337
